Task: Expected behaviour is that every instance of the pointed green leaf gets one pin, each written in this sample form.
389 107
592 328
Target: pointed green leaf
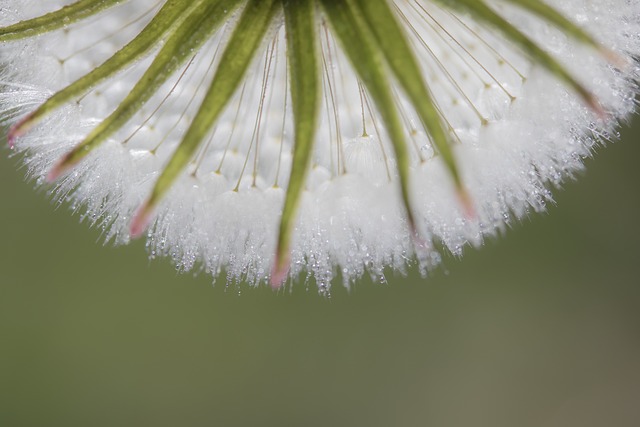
55 20
302 57
361 47
245 40
185 40
481 11
394 45
171 15
550 14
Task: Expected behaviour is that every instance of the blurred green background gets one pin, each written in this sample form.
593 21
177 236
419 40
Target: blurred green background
539 328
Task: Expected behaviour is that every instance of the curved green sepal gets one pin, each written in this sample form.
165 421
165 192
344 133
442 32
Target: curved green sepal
171 15
60 18
550 14
247 36
368 62
300 26
393 43
482 12
182 44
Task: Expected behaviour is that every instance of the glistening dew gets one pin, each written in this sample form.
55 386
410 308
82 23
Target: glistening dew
271 141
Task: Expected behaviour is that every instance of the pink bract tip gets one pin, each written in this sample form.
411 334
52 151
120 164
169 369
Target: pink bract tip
56 171
13 134
17 130
616 59
418 241
598 109
140 222
468 207
280 272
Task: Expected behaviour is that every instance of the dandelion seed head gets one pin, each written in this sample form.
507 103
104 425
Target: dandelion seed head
515 131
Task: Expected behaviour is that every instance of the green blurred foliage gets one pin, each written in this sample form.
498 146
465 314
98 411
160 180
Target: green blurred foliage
541 327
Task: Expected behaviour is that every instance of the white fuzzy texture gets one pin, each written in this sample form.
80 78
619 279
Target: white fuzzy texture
351 219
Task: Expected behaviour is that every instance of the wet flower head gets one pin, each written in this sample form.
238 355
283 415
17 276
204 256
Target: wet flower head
261 140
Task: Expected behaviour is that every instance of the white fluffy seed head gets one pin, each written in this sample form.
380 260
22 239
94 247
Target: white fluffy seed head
516 130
